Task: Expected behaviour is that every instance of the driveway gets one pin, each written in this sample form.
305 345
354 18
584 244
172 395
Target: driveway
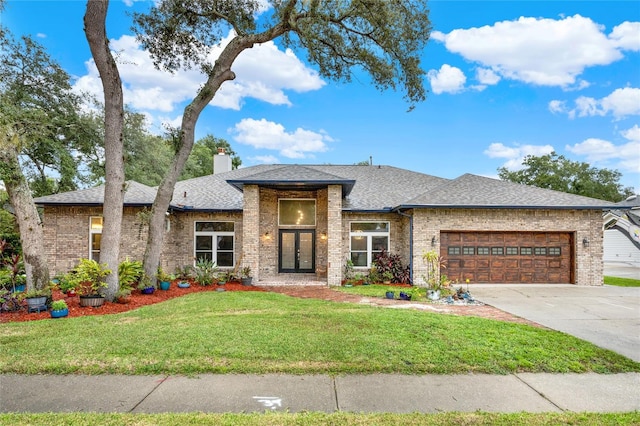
607 316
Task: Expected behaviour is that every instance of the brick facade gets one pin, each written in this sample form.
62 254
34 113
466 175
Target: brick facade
66 232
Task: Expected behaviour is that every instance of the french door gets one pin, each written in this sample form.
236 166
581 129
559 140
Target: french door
297 250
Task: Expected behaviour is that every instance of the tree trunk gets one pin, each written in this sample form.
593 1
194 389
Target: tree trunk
31 233
221 72
95 30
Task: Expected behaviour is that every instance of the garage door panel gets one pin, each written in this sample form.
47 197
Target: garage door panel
509 257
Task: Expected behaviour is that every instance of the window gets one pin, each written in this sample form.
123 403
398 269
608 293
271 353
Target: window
453 250
554 251
297 212
540 251
215 241
469 250
511 250
483 250
95 236
368 239
497 250
526 251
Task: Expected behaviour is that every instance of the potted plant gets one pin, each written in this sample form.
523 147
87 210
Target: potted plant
390 294
146 286
164 279
246 276
67 286
37 299
59 309
88 279
387 276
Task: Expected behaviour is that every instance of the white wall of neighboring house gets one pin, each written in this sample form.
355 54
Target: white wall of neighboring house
618 247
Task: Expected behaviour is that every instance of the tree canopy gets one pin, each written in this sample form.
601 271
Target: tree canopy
385 38
553 171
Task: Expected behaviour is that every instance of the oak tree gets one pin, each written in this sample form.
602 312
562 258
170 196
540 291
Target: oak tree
385 38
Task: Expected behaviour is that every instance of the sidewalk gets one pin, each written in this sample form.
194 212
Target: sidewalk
357 393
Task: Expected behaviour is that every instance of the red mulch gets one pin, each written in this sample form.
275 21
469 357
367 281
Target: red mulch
136 300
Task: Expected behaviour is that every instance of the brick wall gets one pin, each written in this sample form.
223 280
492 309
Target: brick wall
588 223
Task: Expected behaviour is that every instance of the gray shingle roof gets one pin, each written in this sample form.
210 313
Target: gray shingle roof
477 191
136 194
374 188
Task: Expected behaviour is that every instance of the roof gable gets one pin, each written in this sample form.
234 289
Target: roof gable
136 194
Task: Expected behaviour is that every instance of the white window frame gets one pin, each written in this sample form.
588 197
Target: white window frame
369 236
315 205
97 230
214 238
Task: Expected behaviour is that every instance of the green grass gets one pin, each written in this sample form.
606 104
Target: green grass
621 282
252 332
374 290
314 418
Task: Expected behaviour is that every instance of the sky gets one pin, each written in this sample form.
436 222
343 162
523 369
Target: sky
505 79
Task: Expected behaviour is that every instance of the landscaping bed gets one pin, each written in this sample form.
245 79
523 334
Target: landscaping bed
136 300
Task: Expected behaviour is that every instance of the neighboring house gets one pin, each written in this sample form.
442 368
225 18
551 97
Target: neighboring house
622 232
309 219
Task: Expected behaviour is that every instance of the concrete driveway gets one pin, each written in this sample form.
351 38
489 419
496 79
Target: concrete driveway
607 316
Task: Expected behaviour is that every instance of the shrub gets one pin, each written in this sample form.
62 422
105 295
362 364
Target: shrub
205 271
129 273
391 263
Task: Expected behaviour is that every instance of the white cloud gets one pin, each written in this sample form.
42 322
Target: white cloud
264 159
557 107
446 80
541 51
487 76
516 154
263 134
620 103
626 36
263 72
624 157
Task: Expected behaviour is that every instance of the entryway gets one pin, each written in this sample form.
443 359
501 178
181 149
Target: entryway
296 251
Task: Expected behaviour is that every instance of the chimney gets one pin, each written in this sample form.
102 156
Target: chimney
221 162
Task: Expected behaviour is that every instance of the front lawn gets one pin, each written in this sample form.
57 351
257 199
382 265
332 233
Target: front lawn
240 332
621 282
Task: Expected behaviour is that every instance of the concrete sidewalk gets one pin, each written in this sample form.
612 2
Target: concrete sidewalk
356 393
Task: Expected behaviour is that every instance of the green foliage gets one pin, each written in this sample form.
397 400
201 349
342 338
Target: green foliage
200 161
44 118
146 282
129 273
435 263
88 277
58 305
12 272
205 271
385 38
553 171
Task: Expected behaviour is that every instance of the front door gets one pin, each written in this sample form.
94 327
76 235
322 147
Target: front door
297 250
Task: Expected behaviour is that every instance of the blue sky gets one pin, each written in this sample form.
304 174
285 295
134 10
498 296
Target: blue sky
505 79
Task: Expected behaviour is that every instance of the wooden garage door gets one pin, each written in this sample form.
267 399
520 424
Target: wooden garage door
508 257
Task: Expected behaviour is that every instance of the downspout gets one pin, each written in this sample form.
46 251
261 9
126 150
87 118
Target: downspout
410 242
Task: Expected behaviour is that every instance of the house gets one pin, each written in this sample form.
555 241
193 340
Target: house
622 232
308 220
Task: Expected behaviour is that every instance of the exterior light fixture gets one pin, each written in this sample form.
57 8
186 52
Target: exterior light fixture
267 236
323 236
433 241
585 242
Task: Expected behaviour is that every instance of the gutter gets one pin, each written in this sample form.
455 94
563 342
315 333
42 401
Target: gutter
410 242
